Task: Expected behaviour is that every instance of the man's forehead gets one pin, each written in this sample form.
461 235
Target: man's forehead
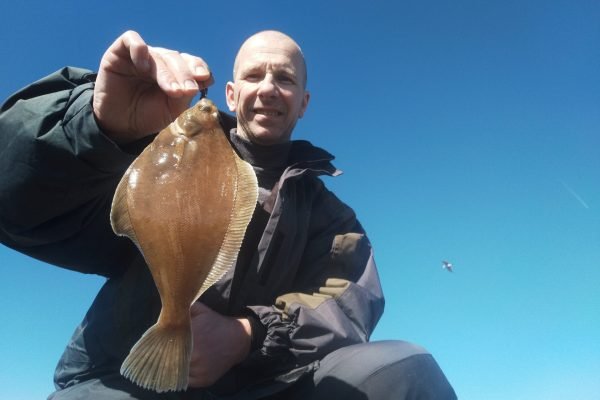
268 58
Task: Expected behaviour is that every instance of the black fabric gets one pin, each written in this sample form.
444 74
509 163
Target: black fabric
382 370
59 173
259 332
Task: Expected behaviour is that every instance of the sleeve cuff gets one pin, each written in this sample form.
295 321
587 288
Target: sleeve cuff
258 331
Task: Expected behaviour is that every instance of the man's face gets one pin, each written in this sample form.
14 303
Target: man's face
268 94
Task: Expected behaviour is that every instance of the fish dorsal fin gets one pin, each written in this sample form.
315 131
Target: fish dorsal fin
246 195
120 219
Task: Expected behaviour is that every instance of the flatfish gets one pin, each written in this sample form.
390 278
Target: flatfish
186 202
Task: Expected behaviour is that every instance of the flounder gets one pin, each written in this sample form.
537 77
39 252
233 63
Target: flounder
186 202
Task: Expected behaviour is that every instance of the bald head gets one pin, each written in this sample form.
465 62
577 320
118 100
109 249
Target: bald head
275 41
268 93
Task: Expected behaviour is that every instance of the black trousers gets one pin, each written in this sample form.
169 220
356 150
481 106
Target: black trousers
375 371
384 370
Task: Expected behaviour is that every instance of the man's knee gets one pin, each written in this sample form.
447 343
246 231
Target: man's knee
384 370
362 360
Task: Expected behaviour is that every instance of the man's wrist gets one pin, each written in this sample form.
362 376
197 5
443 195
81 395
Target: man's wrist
258 331
246 338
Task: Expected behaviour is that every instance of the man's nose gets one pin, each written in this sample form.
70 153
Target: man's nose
267 87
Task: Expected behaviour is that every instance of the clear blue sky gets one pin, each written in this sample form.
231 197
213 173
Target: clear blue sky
467 130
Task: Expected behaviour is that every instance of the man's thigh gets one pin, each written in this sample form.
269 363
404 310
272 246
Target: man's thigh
375 371
111 387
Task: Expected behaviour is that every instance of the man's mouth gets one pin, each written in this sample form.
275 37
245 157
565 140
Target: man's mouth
267 112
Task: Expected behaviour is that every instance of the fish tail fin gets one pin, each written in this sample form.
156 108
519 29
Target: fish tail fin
160 360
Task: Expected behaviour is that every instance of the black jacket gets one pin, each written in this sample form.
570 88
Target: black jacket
312 281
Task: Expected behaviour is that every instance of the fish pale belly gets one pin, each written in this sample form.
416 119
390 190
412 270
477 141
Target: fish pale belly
180 210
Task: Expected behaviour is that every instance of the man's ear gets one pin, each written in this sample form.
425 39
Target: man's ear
304 103
230 96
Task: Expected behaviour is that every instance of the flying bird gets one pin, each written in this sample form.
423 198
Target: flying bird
447 266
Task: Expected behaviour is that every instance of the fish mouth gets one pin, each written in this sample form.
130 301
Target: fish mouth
206 108
205 105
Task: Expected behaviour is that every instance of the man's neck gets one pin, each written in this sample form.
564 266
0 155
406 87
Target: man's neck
273 156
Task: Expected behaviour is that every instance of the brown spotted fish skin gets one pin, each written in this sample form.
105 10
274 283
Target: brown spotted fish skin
185 202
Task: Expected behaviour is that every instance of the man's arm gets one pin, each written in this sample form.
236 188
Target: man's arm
58 174
60 154
337 299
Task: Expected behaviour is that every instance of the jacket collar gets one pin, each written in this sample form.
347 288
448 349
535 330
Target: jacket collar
303 155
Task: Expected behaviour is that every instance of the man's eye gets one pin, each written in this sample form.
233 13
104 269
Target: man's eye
285 79
253 77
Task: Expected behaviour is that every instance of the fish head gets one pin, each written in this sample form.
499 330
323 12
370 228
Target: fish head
203 116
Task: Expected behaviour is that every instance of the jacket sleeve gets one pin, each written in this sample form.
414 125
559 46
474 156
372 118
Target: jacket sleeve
338 298
59 173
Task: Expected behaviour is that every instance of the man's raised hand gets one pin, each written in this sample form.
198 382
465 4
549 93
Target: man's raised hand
141 89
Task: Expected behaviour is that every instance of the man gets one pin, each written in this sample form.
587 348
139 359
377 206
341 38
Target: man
291 321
